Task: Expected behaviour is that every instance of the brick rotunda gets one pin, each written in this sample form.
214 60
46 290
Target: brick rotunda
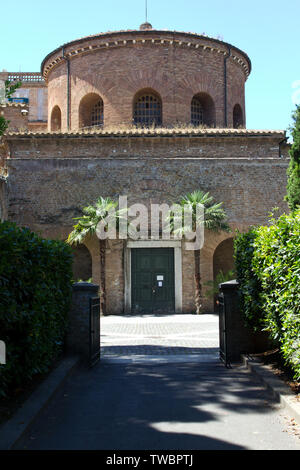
150 115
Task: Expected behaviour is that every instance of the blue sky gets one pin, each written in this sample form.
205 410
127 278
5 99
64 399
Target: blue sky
268 31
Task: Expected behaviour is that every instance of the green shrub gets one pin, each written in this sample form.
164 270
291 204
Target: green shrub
293 184
35 293
213 286
277 263
250 285
268 269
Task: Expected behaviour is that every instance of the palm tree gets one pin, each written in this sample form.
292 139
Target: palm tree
88 225
213 218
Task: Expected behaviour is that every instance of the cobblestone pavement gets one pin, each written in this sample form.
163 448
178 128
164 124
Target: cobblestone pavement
172 337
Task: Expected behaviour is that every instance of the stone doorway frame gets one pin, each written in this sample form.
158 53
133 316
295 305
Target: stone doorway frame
176 244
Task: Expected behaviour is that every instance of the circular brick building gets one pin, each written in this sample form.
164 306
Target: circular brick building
150 115
146 77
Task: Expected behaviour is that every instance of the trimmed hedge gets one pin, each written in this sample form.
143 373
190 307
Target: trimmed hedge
268 269
35 295
250 285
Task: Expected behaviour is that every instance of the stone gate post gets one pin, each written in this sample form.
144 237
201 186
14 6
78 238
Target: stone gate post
79 334
235 337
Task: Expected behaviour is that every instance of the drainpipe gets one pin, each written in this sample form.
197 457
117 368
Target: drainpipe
68 87
225 86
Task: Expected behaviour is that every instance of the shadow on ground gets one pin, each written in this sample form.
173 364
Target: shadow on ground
184 406
154 350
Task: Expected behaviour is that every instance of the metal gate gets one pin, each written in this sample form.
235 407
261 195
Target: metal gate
222 330
94 355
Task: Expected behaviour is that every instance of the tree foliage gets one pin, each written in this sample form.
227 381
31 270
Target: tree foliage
35 294
212 218
268 270
9 90
249 283
93 215
101 213
213 286
293 185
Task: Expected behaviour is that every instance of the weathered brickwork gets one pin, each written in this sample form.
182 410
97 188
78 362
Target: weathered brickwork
116 66
204 143
48 176
46 193
16 115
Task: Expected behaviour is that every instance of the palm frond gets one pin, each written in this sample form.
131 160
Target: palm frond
214 217
105 209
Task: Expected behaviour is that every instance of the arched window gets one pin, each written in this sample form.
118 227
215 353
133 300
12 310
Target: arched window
203 110
55 121
147 109
97 114
91 111
197 112
238 120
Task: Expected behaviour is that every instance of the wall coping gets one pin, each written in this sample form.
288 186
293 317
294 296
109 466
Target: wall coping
158 133
229 285
12 104
84 286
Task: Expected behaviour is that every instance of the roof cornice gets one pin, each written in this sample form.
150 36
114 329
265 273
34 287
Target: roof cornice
150 37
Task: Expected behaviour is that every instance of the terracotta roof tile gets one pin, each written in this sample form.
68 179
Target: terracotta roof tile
149 132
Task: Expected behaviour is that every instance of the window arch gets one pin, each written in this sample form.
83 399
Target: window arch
203 110
147 109
91 111
197 112
238 120
55 122
97 114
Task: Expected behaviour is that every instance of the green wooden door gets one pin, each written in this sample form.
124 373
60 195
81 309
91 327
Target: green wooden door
152 280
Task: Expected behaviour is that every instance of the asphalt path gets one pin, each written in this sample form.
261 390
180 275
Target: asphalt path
149 393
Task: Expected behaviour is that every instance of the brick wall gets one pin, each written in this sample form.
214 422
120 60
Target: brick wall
38 101
35 90
118 65
17 115
150 144
52 179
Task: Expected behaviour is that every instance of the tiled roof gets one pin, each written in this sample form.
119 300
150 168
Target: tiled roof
13 105
153 30
163 132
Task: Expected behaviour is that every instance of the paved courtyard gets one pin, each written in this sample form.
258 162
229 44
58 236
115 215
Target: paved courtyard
168 338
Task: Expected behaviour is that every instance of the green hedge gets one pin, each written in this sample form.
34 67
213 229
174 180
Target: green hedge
250 285
268 269
35 293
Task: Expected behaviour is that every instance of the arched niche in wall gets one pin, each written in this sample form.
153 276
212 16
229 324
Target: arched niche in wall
91 111
238 119
55 121
82 263
203 111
